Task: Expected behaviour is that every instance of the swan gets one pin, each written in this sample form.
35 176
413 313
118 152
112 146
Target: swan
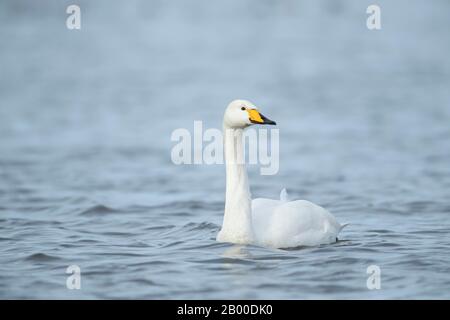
265 222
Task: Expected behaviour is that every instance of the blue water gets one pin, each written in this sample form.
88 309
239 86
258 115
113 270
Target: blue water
86 117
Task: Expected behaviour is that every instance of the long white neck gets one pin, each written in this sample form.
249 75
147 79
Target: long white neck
237 220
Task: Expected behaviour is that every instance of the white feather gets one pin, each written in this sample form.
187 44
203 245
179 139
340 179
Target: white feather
266 222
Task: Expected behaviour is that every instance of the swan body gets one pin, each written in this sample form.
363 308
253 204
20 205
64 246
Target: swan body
287 224
265 222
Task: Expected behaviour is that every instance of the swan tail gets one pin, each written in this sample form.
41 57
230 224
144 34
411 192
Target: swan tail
343 226
284 195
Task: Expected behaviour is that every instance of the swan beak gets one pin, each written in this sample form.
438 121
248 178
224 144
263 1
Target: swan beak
258 118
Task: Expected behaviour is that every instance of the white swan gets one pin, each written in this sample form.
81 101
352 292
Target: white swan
265 222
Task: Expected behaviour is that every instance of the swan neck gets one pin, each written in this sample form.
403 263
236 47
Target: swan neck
237 222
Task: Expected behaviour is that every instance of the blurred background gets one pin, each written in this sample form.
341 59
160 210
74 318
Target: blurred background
86 117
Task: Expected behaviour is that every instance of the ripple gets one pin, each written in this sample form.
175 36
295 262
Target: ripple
224 261
41 257
192 226
188 206
382 231
98 209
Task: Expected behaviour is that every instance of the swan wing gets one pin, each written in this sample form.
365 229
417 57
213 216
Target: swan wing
262 212
287 224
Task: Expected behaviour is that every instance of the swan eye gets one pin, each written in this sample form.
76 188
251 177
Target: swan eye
243 108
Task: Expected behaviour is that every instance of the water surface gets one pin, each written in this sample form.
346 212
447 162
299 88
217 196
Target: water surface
86 176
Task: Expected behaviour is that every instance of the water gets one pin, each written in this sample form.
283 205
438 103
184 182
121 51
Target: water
85 124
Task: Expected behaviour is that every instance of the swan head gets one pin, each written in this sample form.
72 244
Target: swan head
243 113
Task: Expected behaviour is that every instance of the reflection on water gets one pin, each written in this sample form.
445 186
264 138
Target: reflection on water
85 124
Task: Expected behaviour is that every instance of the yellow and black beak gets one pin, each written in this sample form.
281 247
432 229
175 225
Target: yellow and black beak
258 118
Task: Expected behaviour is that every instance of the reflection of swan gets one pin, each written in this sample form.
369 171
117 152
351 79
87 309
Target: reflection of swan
266 222
236 252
